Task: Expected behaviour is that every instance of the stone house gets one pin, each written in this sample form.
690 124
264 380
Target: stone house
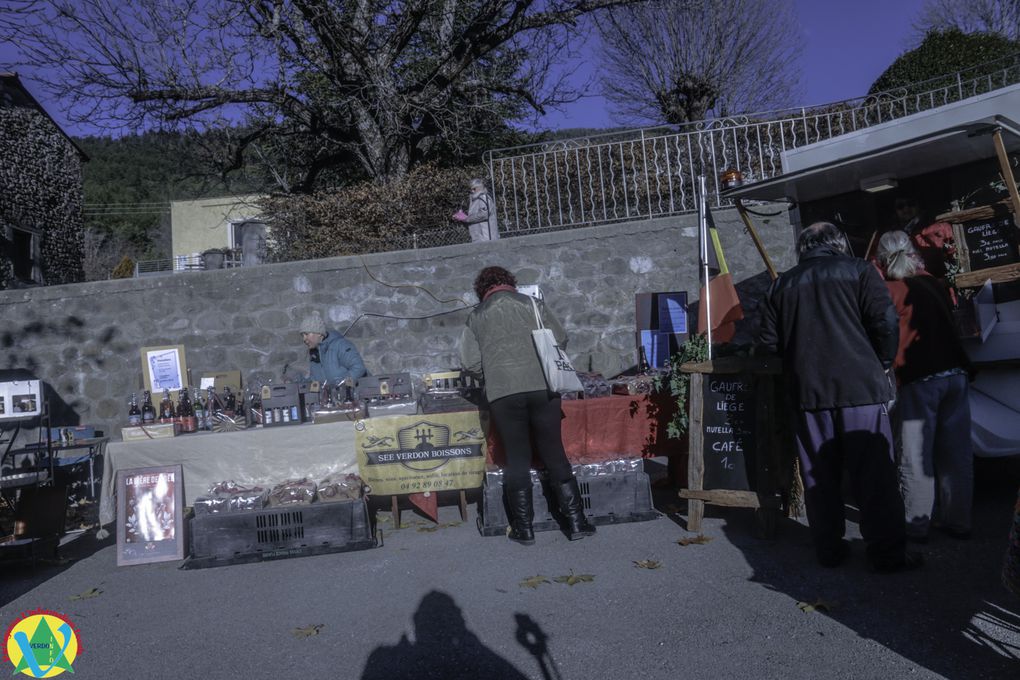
40 193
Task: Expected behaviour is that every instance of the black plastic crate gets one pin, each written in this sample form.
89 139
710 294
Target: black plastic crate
609 498
277 533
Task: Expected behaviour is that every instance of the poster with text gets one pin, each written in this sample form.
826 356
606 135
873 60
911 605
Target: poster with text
419 453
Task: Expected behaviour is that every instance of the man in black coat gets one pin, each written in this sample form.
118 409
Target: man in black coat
834 324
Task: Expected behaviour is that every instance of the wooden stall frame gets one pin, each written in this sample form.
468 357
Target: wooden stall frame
395 508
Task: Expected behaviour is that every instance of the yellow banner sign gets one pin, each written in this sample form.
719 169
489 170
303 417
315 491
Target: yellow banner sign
418 453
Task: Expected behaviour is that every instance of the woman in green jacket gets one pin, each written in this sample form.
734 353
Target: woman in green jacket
497 344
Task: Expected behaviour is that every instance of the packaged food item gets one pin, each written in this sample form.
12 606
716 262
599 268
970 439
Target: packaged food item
292 492
229 496
340 488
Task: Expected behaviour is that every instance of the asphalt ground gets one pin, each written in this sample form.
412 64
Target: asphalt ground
449 603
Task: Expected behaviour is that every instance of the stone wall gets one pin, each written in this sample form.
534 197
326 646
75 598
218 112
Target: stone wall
85 339
41 191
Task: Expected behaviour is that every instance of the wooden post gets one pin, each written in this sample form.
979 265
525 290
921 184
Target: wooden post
742 211
1007 172
396 512
696 453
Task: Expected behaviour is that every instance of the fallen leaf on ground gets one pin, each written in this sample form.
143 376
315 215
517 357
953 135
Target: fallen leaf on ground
88 594
534 581
700 539
428 530
647 564
307 631
382 519
819 605
572 578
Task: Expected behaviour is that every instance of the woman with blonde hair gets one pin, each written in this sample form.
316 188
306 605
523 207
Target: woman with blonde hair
931 419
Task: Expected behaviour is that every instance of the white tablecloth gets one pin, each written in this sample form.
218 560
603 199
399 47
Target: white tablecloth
260 455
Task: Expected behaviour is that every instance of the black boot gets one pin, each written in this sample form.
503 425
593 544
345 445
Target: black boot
521 514
572 508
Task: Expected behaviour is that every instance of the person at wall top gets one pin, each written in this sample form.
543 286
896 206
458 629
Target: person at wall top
481 214
931 419
497 343
331 357
833 322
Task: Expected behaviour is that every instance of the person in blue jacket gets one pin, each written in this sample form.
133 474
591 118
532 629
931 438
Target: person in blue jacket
331 356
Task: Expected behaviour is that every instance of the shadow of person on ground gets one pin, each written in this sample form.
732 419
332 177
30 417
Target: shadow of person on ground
443 648
531 636
952 616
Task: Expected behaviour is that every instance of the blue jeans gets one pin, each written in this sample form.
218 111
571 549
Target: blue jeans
931 423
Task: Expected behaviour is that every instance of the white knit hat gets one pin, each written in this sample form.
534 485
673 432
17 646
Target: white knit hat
313 323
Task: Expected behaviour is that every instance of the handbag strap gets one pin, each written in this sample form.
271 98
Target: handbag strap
538 317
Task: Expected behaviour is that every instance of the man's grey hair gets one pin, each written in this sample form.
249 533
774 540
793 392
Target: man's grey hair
897 255
477 182
822 234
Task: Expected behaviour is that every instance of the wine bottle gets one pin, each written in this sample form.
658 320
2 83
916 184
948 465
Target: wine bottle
148 410
134 414
643 364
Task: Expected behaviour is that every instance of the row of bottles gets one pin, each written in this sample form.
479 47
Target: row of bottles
192 413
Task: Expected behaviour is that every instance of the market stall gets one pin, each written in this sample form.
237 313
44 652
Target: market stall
255 455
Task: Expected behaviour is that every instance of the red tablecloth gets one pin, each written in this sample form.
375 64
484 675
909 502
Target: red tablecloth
610 428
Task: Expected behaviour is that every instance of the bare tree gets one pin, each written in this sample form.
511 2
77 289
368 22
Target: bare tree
1001 17
313 82
677 61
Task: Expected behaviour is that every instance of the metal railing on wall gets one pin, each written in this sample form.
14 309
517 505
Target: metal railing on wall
648 173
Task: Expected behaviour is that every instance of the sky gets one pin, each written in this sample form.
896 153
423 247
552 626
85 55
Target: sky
847 45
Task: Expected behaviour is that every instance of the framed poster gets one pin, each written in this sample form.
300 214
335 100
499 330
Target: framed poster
164 368
150 515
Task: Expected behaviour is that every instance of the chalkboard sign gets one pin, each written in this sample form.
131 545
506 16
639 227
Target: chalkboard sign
991 242
728 425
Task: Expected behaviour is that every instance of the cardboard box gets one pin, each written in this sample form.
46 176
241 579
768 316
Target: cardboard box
146 432
70 435
221 379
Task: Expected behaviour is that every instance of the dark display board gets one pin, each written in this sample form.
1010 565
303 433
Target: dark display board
728 425
991 242
662 322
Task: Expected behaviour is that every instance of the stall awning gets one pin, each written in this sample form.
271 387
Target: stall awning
931 152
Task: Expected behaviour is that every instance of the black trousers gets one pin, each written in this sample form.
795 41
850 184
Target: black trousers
530 422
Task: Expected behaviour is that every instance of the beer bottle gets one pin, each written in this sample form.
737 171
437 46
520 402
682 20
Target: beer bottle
199 407
185 412
210 407
134 415
166 408
229 402
148 410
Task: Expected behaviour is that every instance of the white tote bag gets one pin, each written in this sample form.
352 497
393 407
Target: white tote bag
559 374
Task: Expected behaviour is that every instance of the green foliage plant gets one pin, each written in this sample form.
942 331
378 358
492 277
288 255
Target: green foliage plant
943 53
678 384
125 269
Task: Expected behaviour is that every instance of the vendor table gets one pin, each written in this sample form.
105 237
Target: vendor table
257 455
610 428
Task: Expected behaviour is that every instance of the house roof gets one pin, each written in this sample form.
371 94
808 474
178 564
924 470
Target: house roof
12 82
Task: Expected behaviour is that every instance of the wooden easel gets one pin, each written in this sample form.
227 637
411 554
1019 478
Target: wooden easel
767 499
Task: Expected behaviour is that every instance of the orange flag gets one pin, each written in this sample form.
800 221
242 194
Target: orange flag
726 309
